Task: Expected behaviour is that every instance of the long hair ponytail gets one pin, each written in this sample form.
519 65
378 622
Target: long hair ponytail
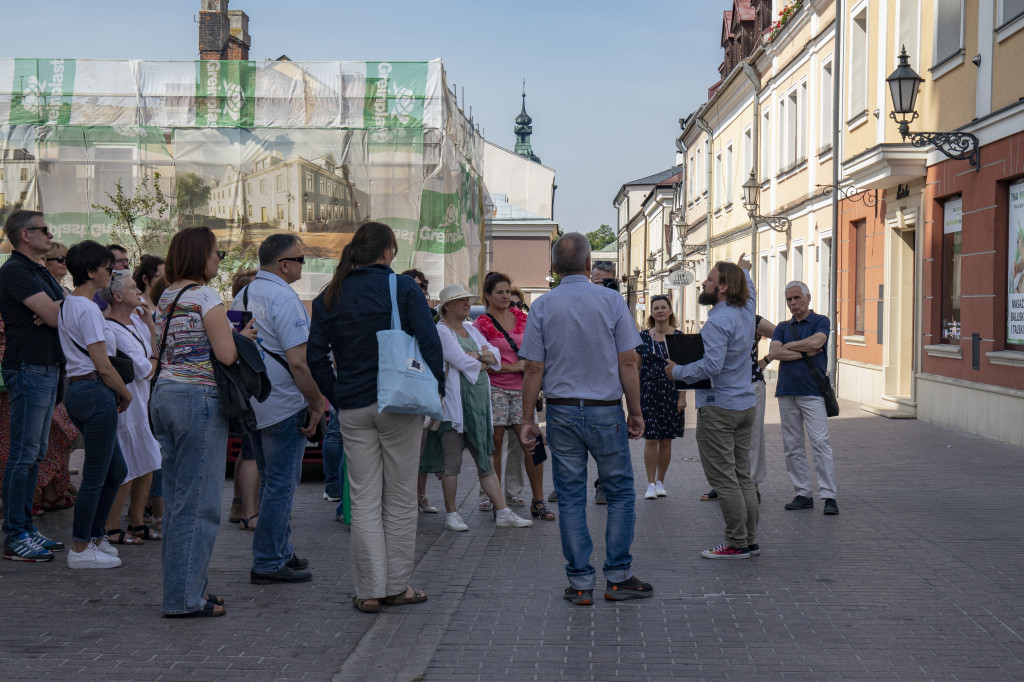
368 245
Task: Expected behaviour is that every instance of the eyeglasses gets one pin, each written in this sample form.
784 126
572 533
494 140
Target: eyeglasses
301 260
44 228
222 254
125 261
59 259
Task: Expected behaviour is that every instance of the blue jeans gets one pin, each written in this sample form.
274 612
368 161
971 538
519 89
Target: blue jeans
193 437
32 392
279 461
333 451
572 432
92 407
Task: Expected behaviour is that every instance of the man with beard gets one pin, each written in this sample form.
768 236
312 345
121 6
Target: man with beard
726 412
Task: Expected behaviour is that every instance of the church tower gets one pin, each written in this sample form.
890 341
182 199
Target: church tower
523 132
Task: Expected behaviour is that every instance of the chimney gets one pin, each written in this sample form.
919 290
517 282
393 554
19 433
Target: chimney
223 33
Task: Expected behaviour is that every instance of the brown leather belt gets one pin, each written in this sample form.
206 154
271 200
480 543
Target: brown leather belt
583 402
90 375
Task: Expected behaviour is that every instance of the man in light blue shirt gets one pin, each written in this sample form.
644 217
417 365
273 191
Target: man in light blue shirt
579 344
290 414
725 412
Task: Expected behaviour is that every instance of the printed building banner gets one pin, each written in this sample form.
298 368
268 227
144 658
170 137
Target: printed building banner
1015 297
249 148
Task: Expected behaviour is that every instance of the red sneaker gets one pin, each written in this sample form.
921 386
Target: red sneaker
724 551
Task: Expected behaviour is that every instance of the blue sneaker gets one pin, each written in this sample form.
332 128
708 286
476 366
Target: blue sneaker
46 543
24 548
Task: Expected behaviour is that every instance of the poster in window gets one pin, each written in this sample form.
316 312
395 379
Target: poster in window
1015 297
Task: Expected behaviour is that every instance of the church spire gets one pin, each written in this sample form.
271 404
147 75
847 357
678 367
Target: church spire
524 130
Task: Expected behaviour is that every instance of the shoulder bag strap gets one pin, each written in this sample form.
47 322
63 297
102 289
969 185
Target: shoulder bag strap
396 321
511 343
820 380
84 351
280 360
128 329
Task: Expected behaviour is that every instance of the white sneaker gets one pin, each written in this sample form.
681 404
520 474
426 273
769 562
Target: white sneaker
659 488
329 498
512 520
651 492
103 545
454 522
90 557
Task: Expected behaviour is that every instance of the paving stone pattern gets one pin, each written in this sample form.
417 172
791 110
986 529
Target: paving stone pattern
919 577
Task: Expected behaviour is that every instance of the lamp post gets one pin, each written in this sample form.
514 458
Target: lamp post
778 223
904 84
651 260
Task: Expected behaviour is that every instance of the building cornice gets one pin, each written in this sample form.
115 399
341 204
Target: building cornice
886 165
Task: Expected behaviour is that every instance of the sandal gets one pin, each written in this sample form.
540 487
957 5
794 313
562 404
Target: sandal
214 599
425 505
117 536
64 501
248 524
147 533
540 510
709 496
403 598
209 609
371 605
485 505
516 501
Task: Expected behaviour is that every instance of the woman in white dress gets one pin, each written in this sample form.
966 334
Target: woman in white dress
132 325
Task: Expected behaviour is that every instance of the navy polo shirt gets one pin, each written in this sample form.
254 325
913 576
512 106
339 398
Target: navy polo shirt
27 342
794 375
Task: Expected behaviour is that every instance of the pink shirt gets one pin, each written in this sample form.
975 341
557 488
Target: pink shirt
510 381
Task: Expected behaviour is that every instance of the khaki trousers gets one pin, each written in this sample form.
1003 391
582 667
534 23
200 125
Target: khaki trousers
723 439
382 451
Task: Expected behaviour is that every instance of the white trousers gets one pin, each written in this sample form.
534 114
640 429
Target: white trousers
382 452
800 413
757 456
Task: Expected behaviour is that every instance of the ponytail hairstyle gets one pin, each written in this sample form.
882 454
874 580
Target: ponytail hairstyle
368 245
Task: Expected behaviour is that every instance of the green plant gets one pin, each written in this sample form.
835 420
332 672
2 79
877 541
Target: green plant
785 14
601 237
193 192
238 257
133 224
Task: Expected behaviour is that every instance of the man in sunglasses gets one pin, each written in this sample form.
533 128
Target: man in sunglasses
290 414
29 303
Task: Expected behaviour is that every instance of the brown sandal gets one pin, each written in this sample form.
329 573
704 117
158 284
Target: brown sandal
540 510
403 598
371 605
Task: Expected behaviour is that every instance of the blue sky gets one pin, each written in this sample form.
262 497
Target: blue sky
606 82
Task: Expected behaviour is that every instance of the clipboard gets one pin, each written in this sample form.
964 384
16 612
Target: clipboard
684 349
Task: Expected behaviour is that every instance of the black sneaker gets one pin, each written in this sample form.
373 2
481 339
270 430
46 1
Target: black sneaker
800 502
296 563
754 549
831 508
285 574
599 497
628 589
579 597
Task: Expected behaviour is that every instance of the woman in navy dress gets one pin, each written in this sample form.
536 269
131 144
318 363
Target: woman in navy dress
661 403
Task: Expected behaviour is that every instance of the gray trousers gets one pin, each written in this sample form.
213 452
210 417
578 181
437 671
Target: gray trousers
723 440
757 456
381 452
800 413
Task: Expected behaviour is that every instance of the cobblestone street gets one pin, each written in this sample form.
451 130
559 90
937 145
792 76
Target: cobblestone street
919 577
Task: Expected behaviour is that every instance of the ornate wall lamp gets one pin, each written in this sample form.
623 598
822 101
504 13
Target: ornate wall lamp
651 261
866 197
778 223
903 86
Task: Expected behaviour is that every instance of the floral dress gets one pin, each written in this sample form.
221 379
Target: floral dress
658 394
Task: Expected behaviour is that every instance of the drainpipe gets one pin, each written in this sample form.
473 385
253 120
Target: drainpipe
699 122
749 72
833 343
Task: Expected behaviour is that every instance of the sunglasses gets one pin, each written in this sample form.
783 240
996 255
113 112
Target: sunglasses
44 228
520 305
423 285
222 254
301 260
59 259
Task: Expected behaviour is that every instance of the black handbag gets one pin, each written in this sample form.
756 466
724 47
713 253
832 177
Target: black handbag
824 385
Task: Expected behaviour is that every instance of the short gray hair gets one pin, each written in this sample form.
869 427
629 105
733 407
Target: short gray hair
118 281
570 253
276 244
798 283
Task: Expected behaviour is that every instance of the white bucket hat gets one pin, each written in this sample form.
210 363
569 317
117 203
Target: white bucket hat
453 292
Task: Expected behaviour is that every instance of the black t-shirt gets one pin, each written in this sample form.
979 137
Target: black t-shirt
756 374
27 342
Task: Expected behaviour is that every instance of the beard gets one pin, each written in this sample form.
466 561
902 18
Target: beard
707 298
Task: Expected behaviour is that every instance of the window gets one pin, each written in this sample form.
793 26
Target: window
263 214
952 231
248 188
1015 300
727 199
824 304
948 29
801 147
309 207
279 182
909 18
309 182
280 211
825 127
23 176
783 158
748 154
322 188
762 284
692 173
859 65
1010 9
792 129
250 210
860 239
1 174
263 186
798 263
719 185
783 264
323 211
766 134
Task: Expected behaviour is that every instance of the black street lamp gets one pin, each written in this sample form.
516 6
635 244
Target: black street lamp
651 260
904 84
778 223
